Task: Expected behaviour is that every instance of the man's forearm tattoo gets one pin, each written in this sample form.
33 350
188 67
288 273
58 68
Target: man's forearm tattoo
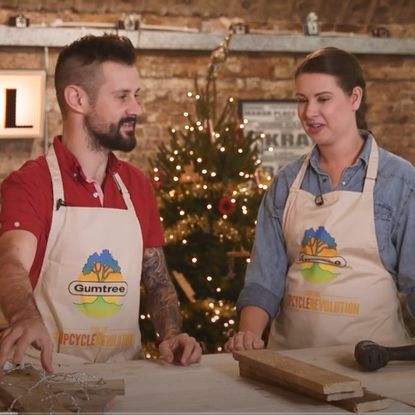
162 301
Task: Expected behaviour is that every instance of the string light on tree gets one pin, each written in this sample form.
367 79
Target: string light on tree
208 196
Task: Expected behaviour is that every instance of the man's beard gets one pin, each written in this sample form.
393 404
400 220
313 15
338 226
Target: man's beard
112 139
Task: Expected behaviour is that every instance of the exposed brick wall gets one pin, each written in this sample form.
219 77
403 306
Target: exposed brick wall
168 75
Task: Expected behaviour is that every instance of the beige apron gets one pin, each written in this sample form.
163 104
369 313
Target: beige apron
337 289
89 287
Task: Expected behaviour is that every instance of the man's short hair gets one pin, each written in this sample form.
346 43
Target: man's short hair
80 63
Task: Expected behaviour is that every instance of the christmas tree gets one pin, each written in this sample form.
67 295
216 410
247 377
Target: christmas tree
206 181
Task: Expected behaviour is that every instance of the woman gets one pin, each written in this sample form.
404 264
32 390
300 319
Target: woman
335 233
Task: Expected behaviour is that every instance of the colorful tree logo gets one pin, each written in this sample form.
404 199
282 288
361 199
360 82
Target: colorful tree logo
100 286
318 256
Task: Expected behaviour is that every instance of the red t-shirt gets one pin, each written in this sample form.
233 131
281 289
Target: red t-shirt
27 198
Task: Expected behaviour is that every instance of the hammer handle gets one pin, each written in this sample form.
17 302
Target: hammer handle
402 352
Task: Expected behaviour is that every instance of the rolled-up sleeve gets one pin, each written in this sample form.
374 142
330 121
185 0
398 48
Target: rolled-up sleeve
265 275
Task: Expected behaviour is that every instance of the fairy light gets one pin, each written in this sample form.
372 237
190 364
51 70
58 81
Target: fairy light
213 174
211 305
231 99
218 290
142 316
186 114
208 206
186 127
192 128
231 322
217 135
189 94
198 123
156 178
270 149
248 260
205 187
246 121
194 260
241 126
241 174
222 149
175 178
191 152
200 128
225 217
178 167
233 200
182 213
199 159
204 171
197 96
184 241
171 158
156 170
240 151
161 219
219 349
173 130
209 278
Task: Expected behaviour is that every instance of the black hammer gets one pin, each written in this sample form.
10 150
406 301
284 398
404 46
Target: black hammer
372 356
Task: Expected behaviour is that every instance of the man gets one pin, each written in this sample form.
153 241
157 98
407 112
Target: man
78 227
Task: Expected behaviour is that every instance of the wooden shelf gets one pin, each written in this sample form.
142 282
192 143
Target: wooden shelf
171 40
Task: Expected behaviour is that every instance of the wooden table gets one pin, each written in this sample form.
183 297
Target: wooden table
214 386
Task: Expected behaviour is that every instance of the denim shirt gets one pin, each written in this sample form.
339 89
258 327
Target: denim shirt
394 207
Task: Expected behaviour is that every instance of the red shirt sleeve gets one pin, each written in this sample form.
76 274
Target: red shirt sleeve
25 196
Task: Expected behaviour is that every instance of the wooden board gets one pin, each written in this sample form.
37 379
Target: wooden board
32 391
369 402
296 374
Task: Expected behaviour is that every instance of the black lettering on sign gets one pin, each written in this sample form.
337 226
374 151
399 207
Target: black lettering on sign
10 118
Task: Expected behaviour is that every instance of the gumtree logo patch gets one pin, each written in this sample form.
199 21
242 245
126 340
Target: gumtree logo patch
318 258
100 286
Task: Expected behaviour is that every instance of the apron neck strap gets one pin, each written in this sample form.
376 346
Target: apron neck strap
57 186
371 173
300 176
55 173
124 191
372 168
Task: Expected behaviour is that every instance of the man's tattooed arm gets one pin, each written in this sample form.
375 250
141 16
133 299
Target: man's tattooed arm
162 301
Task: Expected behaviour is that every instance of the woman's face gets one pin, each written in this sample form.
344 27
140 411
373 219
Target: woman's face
327 113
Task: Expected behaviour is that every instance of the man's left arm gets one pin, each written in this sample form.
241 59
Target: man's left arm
162 303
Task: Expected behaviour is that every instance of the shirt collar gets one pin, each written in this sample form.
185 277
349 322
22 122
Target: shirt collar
364 155
69 163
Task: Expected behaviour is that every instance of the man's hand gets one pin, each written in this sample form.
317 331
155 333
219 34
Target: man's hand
244 340
19 336
181 349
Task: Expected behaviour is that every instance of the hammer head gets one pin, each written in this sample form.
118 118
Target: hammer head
370 355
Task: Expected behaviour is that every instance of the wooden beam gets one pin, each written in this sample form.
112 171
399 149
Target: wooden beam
297 375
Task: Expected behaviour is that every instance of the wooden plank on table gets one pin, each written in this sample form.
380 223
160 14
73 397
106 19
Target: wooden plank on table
367 403
265 376
297 374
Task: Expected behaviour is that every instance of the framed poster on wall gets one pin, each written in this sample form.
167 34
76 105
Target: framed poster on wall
281 138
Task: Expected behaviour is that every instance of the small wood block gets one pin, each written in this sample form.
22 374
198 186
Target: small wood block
368 402
298 375
24 387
